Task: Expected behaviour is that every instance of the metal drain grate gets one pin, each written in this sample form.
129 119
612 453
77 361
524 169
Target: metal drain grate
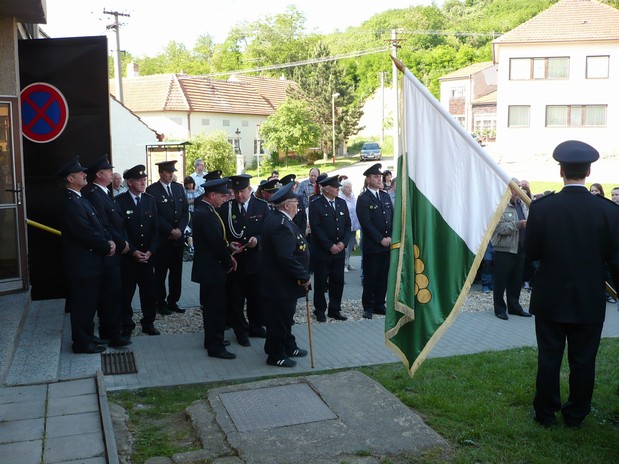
122 362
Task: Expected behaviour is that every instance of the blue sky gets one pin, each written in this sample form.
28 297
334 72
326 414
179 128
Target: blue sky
154 23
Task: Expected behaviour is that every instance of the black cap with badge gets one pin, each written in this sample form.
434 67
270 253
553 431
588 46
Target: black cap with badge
212 175
332 181
374 169
287 179
101 164
136 172
71 167
270 186
239 182
283 194
167 166
216 185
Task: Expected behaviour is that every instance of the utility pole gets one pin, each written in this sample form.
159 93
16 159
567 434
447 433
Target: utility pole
396 109
382 106
117 63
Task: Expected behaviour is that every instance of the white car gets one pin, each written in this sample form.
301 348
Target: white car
370 151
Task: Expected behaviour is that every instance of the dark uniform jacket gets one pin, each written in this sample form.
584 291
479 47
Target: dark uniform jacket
376 219
171 213
212 259
569 286
285 258
140 223
84 240
329 226
240 228
109 214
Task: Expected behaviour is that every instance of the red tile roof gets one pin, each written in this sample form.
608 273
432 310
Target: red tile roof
171 92
568 21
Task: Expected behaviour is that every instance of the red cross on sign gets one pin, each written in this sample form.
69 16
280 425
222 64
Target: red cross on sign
45 112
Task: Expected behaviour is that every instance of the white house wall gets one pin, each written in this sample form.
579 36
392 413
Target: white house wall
576 90
129 137
178 126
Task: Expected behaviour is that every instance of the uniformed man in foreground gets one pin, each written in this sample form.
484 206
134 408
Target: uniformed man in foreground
211 264
85 245
574 235
173 217
140 212
108 211
286 277
243 217
375 214
330 224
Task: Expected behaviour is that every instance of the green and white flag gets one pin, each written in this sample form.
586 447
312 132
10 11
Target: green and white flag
450 196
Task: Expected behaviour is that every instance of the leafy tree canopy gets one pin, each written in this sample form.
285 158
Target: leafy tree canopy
215 151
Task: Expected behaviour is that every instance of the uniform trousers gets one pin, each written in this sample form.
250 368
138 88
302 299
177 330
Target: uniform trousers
142 275
331 271
375 275
168 262
508 269
245 288
213 301
279 316
110 305
82 300
583 341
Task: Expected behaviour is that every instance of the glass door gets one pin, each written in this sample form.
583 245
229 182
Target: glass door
13 257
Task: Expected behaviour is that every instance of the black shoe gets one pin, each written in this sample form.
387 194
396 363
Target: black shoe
100 341
118 342
367 315
545 421
150 330
338 317
502 316
320 317
175 308
90 348
286 362
258 332
162 308
243 341
297 353
225 354
522 313
380 312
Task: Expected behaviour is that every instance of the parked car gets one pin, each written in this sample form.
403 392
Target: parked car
370 151
478 139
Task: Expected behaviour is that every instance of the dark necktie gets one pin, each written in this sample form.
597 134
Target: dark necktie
137 201
169 191
332 202
242 205
378 196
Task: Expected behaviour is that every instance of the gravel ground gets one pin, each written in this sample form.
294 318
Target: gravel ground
191 320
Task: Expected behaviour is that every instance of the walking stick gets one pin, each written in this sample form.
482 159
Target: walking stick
309 327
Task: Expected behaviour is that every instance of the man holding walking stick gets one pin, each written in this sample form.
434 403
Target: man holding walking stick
286 277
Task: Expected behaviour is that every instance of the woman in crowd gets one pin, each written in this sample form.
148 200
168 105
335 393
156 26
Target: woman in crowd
597 189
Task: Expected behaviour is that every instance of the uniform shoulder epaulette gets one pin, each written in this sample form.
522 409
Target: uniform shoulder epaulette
545 196
147 194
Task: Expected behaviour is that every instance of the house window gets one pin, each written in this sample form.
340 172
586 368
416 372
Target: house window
226 122
576 115
539 68
457 92
597 67
485 124
244 123
206 122
518 116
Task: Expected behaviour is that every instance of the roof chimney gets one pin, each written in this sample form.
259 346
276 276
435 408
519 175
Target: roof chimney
133 70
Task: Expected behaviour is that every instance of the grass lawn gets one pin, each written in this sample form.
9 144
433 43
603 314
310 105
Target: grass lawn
480 403
542 186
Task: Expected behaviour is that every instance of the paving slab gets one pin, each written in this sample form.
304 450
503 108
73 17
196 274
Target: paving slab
22 430
366 418
75 447
23 452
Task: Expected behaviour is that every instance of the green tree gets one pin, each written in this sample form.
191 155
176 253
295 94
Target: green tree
214 149
318 83
290 128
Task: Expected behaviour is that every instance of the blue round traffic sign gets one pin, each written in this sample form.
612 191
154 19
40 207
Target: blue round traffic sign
45 112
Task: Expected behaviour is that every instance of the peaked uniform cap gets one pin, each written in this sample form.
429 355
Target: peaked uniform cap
374 169
212 175
71 167
271 186
136 172
239 182
100 164
287 179
283 194
575 152
333 181
167 166
216 185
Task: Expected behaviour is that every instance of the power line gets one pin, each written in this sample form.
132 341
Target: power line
301 63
